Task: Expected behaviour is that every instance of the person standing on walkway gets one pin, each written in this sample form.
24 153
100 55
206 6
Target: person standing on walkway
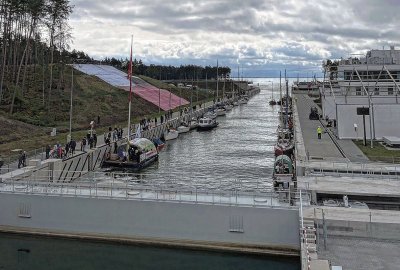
319 131
48 149
72 145
83 144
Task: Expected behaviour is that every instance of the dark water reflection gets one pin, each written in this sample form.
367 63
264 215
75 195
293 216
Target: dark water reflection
38 253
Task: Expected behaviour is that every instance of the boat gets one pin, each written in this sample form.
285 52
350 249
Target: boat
206 123
193 123
284 147
283 165
160 144
243 100
228 107
141 153
210 114
183 128
221 111
272 102
171 134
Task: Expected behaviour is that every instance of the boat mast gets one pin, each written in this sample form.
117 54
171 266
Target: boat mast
130 97
287 101
280 93
217 81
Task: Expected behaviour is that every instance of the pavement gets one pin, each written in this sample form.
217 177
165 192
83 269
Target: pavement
325 148
358 238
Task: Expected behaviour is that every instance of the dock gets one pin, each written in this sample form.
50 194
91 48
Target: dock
327 170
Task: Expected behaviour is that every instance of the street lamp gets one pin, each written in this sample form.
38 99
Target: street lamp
70 108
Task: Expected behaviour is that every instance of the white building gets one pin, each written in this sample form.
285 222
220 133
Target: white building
372 81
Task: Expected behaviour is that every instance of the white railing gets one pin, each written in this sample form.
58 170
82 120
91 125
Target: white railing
132 191
389 171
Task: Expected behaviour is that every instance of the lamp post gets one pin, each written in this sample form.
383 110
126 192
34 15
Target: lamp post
70 108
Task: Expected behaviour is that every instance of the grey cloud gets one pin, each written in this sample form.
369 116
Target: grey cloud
262 31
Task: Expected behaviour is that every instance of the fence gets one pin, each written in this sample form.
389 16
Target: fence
111 188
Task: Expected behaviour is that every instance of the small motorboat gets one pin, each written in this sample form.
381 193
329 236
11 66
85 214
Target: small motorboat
284 147
193 123
228 107
206 123
210 114
133 155
221 111
242 101
183 128
159 144
171 134
272 102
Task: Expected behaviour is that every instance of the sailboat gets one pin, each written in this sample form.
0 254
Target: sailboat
134 154
272 102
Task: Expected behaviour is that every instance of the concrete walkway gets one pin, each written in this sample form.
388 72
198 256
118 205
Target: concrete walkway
324 149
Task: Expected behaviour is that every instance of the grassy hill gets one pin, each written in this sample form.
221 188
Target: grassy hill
30 125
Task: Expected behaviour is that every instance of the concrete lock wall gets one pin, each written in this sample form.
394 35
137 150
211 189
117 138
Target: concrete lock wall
150 219
384 121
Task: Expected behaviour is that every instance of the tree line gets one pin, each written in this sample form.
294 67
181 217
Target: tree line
163 72
34 36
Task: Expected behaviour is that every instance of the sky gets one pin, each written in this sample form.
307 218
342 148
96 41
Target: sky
262 37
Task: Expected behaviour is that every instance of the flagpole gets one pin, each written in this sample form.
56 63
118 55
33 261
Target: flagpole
130 97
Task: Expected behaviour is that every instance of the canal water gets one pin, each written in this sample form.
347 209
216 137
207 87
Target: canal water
238 154
32 253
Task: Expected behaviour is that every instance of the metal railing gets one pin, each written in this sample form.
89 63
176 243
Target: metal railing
353 169
128 191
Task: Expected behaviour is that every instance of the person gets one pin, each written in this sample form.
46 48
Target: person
94 139
73 146
91 141
155 121
48 151
161 119
121 131
98 120
20 160
319 131
67 146
115 148
83 144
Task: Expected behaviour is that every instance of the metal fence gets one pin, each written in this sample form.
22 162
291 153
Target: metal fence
132 191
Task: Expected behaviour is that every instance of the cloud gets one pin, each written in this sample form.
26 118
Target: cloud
258 34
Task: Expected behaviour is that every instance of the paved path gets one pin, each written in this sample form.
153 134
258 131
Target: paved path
325 148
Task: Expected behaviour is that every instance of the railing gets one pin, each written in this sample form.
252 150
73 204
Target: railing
307 237
128 191
353 168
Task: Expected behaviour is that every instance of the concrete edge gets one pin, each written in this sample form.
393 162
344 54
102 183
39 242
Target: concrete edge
256 250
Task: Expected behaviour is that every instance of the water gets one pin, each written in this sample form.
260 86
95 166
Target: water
238 153
31 253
